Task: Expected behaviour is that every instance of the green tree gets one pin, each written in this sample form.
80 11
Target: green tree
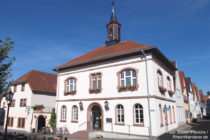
52 121
6 45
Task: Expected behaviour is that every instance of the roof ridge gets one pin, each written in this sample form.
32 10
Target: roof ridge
41 72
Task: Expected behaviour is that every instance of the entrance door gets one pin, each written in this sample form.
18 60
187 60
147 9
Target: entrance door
41 122
96 117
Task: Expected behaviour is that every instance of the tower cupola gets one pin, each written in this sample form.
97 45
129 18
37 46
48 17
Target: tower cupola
113 29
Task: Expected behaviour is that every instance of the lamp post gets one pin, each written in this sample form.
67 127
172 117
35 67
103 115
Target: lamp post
81 105
8 95
106 105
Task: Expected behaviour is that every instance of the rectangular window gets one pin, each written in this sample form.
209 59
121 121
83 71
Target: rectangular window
21 123
12 103
95 81
23 87
10 121
23 102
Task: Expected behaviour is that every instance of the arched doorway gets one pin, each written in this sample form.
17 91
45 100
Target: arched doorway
41 122
95 117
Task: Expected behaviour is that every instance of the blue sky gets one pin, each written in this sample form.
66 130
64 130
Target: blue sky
50 32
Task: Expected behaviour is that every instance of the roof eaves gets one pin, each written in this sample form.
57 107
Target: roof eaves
168 62
104 57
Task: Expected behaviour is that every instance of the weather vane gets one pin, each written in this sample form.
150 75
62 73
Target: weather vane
113 5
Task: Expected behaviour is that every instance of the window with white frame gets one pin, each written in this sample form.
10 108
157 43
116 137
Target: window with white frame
138 114
70 85
128 78
95 81
120 114
160 78
63 113
74 113
169 83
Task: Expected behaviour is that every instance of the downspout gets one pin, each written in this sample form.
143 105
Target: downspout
56 111
148 94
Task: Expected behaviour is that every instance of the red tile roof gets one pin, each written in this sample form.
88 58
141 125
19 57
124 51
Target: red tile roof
197 93
206 98
39 81
182 80
104 52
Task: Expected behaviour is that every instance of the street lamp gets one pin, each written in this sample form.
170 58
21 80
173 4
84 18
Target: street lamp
81 105
106 105
8 95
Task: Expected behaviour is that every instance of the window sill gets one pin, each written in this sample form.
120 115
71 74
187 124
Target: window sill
129 88
170 92
162 89
70 93
141 125
21 127
74 121
94 91
62 120
119 123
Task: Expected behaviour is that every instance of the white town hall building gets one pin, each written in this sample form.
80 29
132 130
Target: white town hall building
123 87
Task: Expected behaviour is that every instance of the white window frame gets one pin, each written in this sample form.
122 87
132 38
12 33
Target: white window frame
120 114
96 77
123 77
75 113
70 85
138 111
63 113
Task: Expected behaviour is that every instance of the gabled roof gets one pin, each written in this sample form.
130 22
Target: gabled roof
120 50
188 83
182 80
193 88
39 81
197 93
206 98
201 95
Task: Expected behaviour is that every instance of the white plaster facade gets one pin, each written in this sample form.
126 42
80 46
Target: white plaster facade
110 93
27 111
181 118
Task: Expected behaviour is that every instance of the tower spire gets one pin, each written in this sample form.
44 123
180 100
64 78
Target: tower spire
113 28
113 16
113 6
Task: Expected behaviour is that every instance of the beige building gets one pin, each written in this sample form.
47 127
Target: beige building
186 96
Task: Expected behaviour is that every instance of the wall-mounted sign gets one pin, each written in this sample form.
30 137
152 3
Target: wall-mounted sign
109 120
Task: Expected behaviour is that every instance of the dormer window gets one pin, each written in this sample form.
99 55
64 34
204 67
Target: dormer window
70 86
22 87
